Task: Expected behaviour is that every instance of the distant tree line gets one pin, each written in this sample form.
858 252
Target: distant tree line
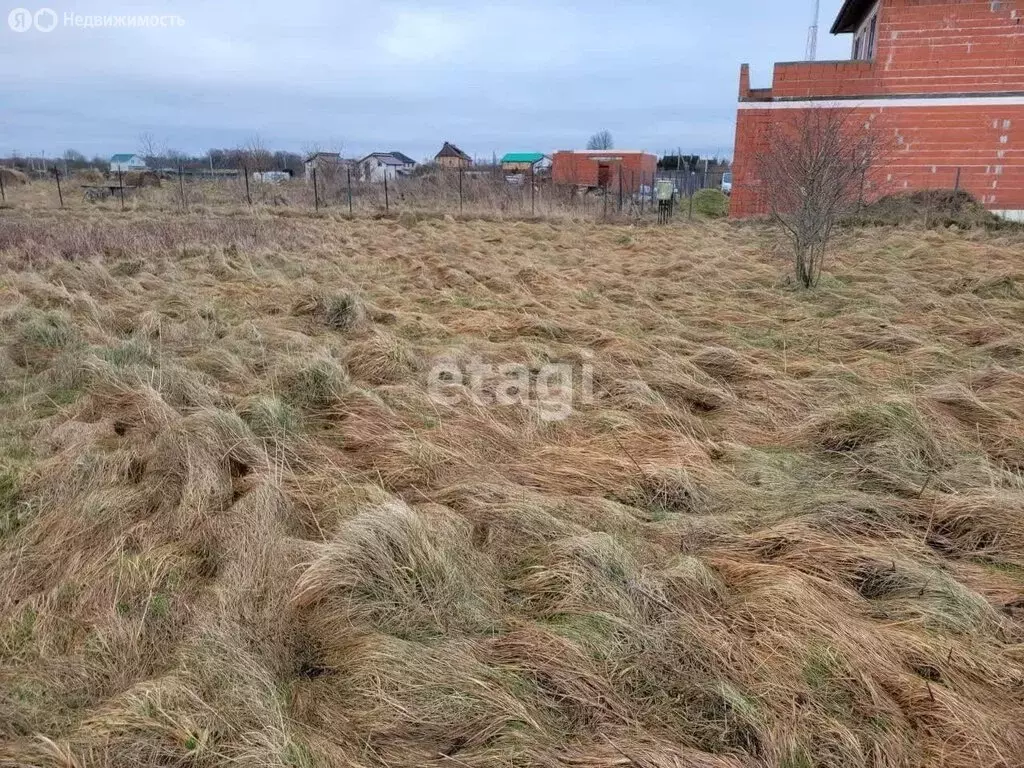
253 155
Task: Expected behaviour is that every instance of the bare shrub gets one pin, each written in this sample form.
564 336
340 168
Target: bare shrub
814 170
255 156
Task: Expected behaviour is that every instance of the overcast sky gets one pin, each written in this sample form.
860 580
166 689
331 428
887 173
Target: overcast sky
535 75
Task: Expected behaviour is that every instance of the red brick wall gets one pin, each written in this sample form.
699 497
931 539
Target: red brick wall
752 142
927 46
922 148
924 47
580 168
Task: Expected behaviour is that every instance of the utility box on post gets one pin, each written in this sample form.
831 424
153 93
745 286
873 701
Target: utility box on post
666 192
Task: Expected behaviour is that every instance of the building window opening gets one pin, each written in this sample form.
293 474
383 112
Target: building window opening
865 39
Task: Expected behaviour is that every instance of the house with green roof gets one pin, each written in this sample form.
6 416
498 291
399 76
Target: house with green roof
127 162
524 162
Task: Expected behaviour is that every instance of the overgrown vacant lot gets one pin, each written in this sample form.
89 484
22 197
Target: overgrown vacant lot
235 527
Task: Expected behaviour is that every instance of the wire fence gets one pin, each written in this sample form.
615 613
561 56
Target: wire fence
466 191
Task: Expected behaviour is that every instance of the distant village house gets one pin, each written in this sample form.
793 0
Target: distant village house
378 166
323 162
451 156
127 162
525 162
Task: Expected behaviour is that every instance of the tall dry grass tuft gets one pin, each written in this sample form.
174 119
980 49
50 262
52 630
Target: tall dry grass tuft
238 525
402 572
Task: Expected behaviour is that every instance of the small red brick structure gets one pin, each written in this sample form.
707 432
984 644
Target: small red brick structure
604 168
942 80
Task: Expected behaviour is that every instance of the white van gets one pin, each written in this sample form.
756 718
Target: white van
727 183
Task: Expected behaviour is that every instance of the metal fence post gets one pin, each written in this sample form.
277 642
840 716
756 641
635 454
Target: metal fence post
956 184
533 194
181 186
387 202
60 195
120 185
3 193
248 196
316 193
348 172
460 189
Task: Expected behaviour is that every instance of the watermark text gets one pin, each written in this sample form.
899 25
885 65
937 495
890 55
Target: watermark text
551 388
47 20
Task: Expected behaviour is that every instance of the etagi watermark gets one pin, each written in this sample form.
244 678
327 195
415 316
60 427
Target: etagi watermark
552 388
47 20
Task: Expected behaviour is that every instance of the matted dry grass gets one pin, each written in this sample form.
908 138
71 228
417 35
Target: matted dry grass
235 528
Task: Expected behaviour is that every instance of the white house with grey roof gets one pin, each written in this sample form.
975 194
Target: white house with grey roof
378 166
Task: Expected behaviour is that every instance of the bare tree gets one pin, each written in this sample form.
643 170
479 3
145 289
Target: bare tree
74 158
288 161
601 140
311 148
255 156
149 148
813 172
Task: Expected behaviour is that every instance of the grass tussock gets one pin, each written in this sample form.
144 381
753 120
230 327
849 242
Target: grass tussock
887 442
13 176
390 568
243 523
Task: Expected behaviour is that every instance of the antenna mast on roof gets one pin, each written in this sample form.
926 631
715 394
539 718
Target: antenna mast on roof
812 33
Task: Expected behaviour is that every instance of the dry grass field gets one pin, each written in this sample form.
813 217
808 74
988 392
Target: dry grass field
237 528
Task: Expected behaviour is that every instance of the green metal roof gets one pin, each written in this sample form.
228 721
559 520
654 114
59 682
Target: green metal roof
522 157
122 158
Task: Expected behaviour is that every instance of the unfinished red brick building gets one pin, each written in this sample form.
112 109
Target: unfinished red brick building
941 81
606 168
